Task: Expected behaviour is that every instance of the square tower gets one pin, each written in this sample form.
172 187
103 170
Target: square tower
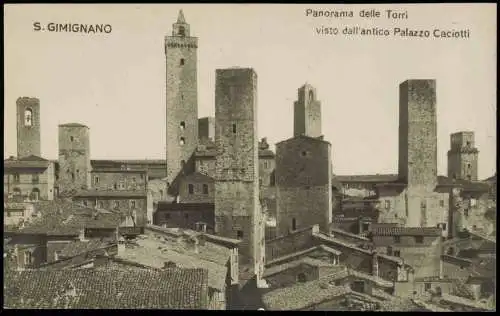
181 102
418 133
28 127
303 184
74 159
307 113
237 206
463 156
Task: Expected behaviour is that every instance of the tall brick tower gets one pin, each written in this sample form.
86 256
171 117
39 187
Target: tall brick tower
463 157
418 145
28 127
182 101
307 113
74 158
237 206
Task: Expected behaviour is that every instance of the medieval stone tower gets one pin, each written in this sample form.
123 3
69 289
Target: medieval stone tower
307 113
28 127
237 206
182 101
74 158
417 146
463 157
304 170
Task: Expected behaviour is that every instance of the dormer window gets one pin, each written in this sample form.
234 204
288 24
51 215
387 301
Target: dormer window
28 117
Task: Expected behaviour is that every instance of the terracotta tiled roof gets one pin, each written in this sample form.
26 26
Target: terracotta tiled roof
406 231
446 298
118 170
464 184
98 289
14 206
112 194
78 247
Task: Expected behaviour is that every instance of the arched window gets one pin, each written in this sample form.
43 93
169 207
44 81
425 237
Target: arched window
28 117
182 141
311 96
182 62
183 125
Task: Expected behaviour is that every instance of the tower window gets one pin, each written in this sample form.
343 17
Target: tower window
239 234
71 138
468 144
72 176
234 128
294 224
132 204
469 166
182 141
182 62
205 189
182 31
303 154
183 125
311 96
96 179
28 117
191 188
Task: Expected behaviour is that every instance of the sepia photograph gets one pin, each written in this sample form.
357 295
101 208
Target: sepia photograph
256 157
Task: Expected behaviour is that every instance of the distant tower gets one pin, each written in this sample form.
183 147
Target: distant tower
28 127
307 113
74 158
418 147
418 133
182 101
206 128
237 207
303 184
463 157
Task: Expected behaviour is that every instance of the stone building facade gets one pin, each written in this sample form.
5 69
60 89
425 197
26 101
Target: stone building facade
28 127
29 178
463 157
119 180
74 172
196 188
303 184
181 101
237 205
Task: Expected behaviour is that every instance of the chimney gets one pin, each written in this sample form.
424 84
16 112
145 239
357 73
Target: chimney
375 264
121 245
81 236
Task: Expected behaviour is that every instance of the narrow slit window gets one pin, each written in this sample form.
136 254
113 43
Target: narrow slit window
234 128
183 125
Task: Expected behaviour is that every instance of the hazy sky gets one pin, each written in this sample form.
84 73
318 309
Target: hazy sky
115 83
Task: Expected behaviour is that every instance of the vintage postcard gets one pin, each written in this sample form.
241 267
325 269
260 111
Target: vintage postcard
269 157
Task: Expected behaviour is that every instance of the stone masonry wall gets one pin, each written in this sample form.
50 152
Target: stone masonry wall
74 159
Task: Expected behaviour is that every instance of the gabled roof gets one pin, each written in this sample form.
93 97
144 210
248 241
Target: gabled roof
114 289
303 138
198 177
